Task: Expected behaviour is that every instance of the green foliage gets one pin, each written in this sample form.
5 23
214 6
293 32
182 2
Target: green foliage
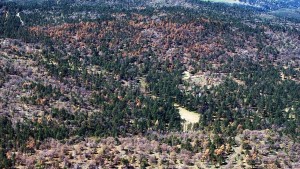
6 133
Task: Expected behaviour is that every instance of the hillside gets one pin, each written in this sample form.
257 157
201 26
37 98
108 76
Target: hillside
273 4
148 84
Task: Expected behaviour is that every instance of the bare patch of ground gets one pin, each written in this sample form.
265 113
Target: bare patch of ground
190 118
203 79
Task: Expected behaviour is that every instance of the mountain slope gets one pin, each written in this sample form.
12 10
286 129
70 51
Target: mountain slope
87 84
274 4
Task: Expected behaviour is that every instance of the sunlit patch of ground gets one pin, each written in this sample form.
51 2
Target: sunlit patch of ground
190 118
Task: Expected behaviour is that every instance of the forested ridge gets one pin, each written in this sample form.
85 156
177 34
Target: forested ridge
105 84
